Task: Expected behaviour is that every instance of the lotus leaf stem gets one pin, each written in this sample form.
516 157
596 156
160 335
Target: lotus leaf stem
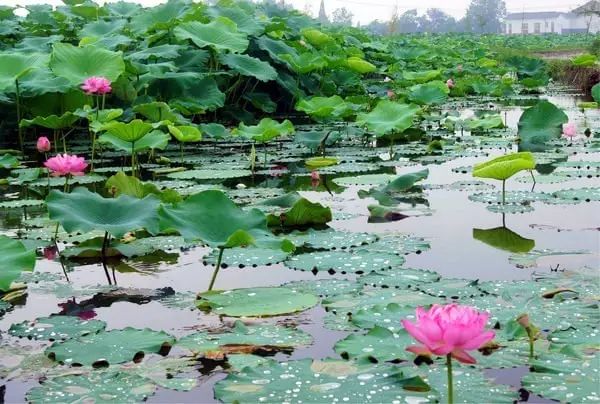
503 192
217 267
450 388
19 129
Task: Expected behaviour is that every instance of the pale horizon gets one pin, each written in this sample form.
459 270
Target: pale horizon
366 11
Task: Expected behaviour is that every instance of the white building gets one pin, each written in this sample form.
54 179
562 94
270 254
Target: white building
582 19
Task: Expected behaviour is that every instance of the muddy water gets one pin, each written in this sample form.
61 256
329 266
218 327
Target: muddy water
449 229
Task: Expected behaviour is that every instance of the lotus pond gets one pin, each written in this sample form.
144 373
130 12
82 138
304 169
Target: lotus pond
258 202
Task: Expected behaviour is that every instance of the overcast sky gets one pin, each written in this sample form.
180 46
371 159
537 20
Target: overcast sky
366 11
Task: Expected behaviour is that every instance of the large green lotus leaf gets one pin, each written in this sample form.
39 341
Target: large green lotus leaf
378 345
110 347
161 17
213 218
171 373
422 76
244 18
540 124
585 60
21 203
333 107
16 258
51 122
214 130
596 92
432 93
210 174
314 139
92 248
221 34
185 133
128 132
389 116
302 213
316 381
121 183
331 239
470 385
82 210
150 141
504 167
356 262
9 161
56 328
405 182
246 257
316 37
76 64
383 316
487 122
14 66
504 239
259 336
255 302
573 382
266 130
305 62
157 112
95 387
249 66
360 65
404 278
159 51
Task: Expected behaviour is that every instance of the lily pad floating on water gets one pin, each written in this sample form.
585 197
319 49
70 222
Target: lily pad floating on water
246 257
451 288
21 203
315 381
378 345
326 287
364 180
110 347
331 239
579 195
399 243
105 387
387 316
209 174
357 262
56 328
255 302
512 197
510 208
576 384
404 278
244 339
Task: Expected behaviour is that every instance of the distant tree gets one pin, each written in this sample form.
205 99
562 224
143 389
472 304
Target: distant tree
409 22
435 20
393 24
322 14
307 9
377 27
485 16
342 16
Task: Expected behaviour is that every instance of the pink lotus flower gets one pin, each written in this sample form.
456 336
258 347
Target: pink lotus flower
50 253
449 330
65 164
569 131
96 85
450 83
43 144
314 175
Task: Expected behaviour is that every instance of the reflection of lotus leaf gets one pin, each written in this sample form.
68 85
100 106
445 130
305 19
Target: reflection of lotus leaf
504 239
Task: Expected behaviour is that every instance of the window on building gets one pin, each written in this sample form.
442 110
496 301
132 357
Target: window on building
537 28
552 27
524 28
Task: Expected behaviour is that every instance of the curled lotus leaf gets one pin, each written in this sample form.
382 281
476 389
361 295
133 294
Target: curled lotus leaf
504 167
